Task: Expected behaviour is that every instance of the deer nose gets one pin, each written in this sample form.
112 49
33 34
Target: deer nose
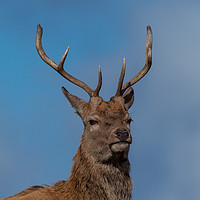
121 134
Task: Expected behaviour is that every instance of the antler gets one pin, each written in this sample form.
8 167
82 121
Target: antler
121 78
59 68
121 89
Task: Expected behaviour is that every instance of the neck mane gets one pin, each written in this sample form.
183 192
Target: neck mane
92 180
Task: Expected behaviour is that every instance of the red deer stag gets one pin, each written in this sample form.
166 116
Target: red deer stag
101 165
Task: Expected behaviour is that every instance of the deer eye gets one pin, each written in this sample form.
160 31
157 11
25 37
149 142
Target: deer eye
108 124
129 121
93 122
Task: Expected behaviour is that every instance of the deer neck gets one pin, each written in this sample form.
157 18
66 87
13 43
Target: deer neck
109 180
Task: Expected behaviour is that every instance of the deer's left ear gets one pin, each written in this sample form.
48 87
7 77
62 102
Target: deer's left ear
77 103
128 98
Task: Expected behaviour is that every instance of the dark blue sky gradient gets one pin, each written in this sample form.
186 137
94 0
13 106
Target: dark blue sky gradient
39 131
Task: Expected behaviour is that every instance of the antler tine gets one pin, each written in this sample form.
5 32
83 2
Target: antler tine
40 49
147 66
121 78
59 68
62 60
96 92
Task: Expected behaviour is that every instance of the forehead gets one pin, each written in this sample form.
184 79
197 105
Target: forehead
111 109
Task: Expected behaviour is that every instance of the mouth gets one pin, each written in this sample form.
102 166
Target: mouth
121 142
120 146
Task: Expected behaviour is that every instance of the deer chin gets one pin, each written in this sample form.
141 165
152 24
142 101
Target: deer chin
119 147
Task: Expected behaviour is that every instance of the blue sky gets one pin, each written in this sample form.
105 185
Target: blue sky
39 131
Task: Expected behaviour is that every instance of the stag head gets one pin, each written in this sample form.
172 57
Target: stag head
107 123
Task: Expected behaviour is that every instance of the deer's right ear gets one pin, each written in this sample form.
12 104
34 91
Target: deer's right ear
128 98
77 103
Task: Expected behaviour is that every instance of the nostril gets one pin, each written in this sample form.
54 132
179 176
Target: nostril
122 135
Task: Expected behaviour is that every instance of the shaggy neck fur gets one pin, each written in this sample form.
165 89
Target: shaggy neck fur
90 180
